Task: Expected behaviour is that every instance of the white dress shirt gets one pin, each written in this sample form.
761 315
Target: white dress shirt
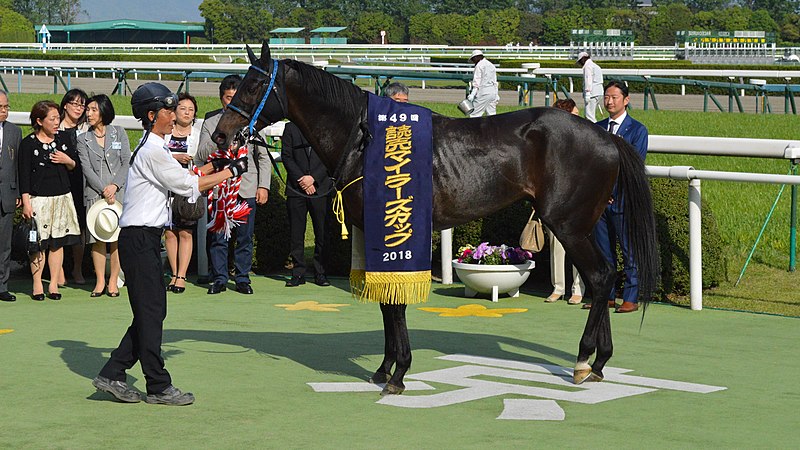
153 174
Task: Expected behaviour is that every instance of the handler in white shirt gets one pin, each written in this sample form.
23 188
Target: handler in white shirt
484 96
153 173
592 85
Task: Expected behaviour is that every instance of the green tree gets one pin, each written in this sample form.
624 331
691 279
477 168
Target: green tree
670 18
557 26
235 21
14 27
776 8
368 27
790 29
59 12
530 27
761 21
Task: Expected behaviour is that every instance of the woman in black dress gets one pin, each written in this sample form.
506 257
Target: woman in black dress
45 162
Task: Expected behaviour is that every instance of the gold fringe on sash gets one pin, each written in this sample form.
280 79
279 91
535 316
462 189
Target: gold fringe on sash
394 288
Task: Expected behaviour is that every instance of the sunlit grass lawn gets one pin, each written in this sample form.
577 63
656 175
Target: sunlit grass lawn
740 208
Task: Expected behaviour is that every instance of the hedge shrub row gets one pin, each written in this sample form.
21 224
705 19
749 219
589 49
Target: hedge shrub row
671 212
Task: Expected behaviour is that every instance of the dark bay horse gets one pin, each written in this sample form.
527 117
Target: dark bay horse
564 164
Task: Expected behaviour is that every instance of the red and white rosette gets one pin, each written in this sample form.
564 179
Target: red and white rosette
225 208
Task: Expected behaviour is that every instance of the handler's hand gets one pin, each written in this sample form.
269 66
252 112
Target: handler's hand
27 211
238 167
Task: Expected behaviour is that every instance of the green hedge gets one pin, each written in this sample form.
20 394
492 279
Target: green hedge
671 212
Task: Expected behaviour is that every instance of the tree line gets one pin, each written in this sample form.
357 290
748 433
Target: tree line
497 22
453 22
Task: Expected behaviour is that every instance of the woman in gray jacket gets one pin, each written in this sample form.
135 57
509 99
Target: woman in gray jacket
105 155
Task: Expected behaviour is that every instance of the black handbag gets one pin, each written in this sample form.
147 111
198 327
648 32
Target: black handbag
189 211
25 240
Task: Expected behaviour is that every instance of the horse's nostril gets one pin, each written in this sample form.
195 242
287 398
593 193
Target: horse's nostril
219 138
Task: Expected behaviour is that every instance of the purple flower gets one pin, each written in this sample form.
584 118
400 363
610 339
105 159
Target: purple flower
481 251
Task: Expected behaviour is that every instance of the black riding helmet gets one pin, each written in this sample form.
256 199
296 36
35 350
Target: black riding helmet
152 97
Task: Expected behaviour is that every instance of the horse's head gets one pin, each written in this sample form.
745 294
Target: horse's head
259 101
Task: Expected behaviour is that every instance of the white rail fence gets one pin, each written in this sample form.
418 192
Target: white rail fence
688 145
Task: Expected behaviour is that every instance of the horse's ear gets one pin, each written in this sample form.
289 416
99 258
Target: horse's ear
251 56
265 52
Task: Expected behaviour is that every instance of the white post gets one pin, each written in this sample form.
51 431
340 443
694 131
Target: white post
447 256
695 247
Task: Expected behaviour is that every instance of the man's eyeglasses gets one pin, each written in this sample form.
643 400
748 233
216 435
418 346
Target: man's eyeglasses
5 107
77 104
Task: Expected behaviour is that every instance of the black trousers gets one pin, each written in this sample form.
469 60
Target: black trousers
298 209
140 257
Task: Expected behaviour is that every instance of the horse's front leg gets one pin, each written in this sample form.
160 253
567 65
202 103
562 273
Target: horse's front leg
402 348
384 372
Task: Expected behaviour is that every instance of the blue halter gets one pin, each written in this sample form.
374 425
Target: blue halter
254 117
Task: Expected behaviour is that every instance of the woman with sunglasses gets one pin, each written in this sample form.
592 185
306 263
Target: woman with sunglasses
73 124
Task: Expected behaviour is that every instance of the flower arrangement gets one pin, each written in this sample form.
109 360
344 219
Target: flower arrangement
492 254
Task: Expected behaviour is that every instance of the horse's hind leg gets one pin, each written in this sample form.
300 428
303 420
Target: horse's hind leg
384 372
596 272
402 348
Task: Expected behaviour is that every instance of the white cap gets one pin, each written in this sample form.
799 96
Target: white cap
476 53
582 55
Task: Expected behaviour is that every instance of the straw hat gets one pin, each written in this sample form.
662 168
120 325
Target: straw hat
102 220
476 53
582 55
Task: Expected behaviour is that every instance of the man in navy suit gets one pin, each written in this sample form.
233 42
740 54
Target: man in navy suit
609 228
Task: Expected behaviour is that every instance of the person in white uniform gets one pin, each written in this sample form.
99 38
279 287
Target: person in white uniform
153 174
592 85
484 96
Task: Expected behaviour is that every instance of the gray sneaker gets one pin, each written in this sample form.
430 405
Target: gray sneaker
171 396
118 389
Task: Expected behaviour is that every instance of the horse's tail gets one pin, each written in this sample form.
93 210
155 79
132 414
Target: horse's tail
638 218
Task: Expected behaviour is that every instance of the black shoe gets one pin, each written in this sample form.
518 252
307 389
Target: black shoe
171 396
178 289
8 297
321 280
54 296
118 389
296 281
217 287
244 288
38 297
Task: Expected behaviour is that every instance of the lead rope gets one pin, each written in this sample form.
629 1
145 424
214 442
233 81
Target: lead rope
338 207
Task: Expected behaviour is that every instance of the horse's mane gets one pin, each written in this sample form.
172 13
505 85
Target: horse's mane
325 86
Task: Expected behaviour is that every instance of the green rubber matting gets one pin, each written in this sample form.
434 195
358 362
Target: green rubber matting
286 368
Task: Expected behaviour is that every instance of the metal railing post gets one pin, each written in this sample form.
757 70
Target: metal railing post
695 247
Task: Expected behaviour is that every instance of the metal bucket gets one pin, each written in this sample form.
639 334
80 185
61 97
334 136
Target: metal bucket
466 106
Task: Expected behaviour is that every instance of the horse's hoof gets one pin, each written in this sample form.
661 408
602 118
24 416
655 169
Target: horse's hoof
391 389
379 378
585 375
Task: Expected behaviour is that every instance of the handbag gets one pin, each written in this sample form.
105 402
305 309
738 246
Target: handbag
532 237
189 211
25 240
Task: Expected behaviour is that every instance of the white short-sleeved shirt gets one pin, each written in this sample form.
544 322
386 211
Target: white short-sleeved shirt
153 174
